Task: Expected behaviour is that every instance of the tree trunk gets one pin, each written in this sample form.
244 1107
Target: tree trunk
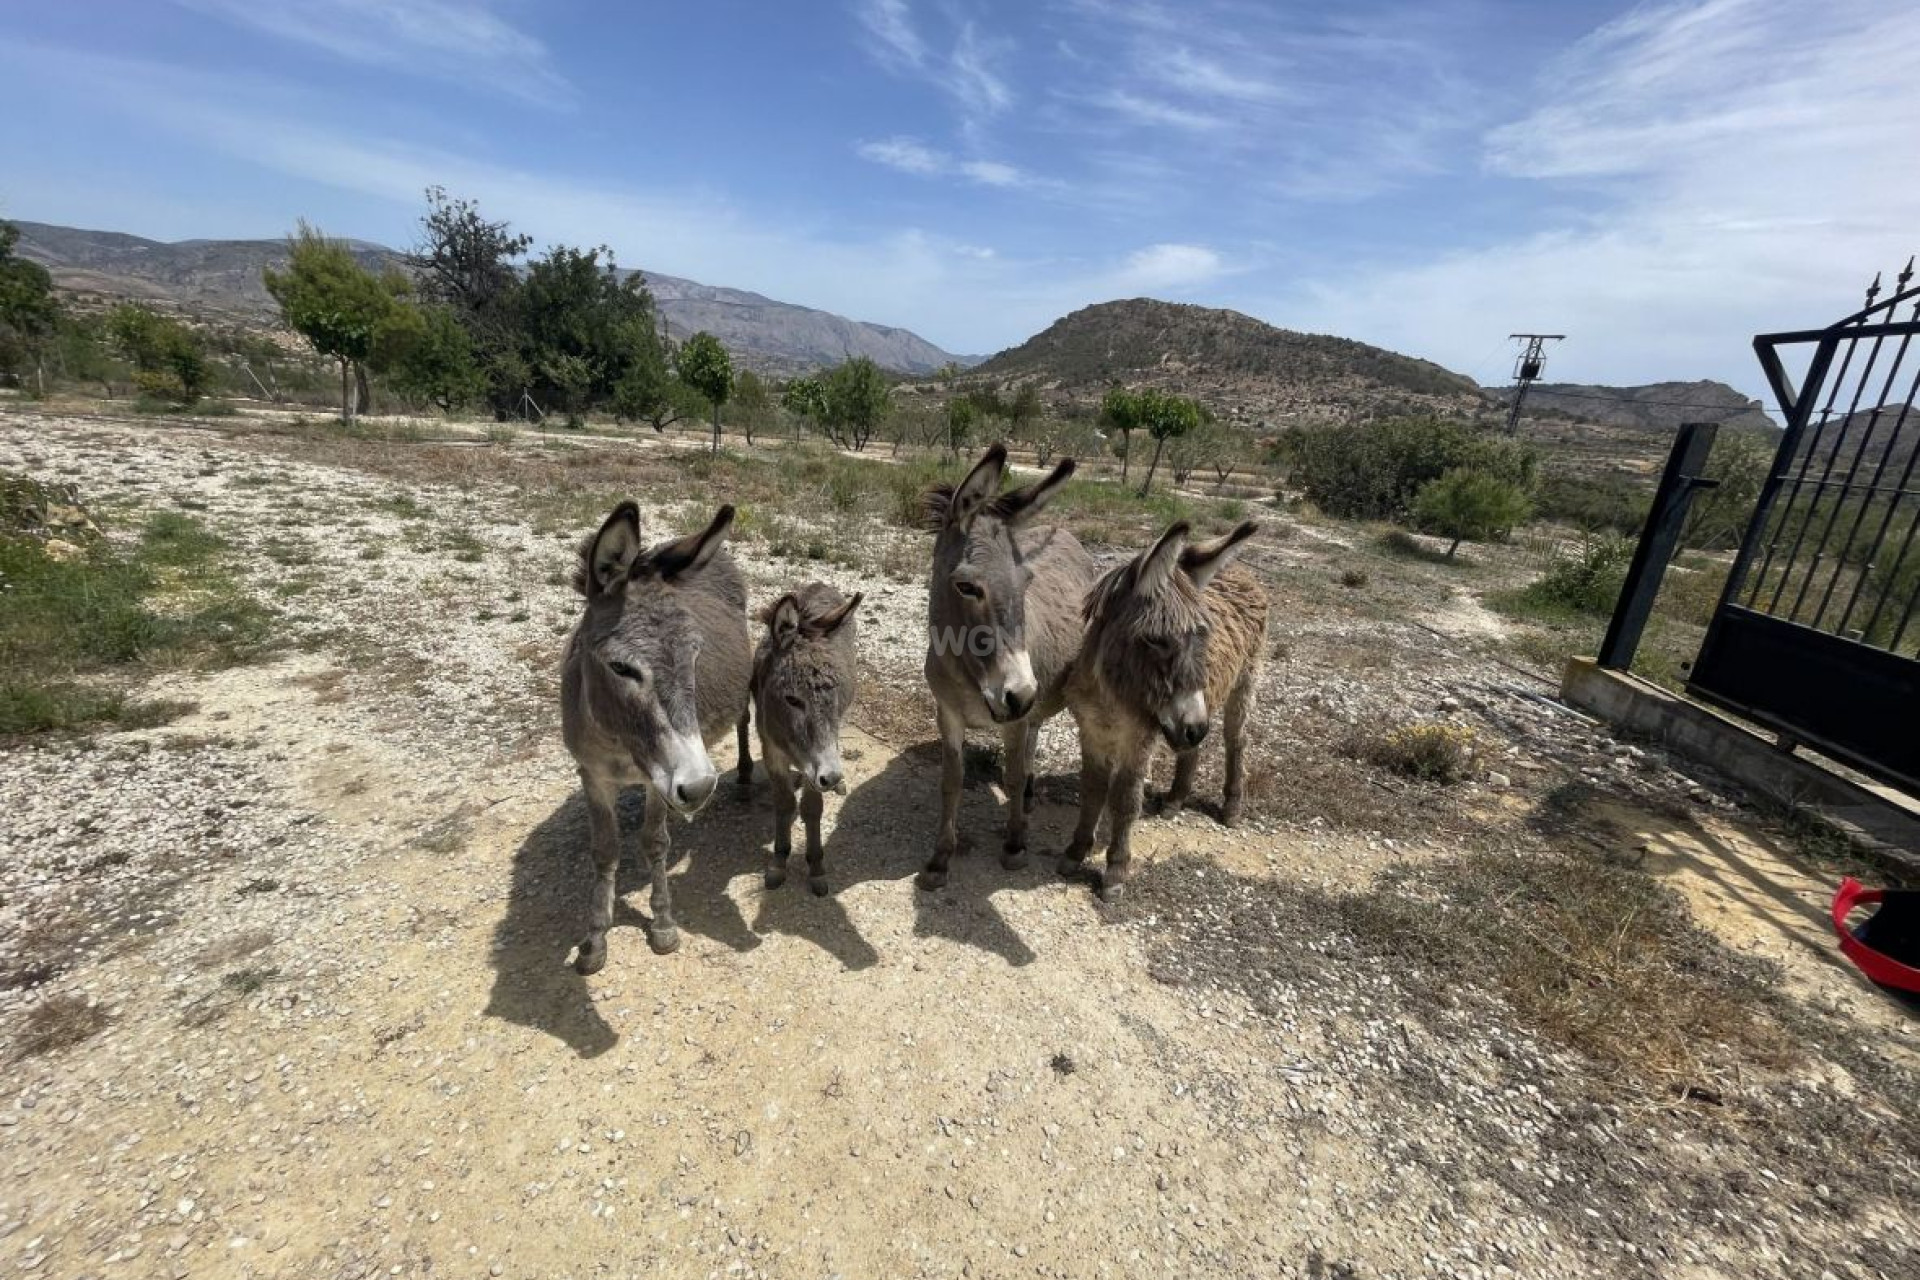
716 426
1455 547
1126 454
362 393
346 391
1158 445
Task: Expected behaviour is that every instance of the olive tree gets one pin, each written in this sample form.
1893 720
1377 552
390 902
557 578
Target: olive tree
705 366
336 304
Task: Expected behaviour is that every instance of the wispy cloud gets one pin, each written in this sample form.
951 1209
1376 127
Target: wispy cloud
444 39
1169 268
968 66
910 155
1721 187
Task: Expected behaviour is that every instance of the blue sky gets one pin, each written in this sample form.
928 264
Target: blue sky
1659 181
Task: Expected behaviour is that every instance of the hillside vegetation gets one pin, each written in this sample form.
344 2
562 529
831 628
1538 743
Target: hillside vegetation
1240 365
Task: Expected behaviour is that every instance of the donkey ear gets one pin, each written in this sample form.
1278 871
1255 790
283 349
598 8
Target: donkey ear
782 618
606 557
690 554
1204 559
1159 560
835 618
1023 504
979 488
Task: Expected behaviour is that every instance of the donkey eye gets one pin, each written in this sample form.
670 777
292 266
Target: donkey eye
625 670
969 590
798 704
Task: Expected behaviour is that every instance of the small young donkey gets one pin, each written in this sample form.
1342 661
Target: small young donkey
1171 635
1003 626
804 673
655 670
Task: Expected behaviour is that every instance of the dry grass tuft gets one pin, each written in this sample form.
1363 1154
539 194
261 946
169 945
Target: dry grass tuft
1441 753
58 1022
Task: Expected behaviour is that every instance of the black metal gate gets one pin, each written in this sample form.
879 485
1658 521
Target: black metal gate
1816 635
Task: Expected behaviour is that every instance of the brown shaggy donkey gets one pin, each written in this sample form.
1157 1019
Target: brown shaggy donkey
1171 635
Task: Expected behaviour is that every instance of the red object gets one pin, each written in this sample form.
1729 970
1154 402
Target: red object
1883 969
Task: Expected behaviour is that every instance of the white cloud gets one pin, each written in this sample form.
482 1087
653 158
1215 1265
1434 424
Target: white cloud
1742 163
910 155
442 39
1169 267
969 72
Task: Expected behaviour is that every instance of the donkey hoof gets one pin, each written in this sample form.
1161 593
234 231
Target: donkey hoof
819 886
776 876
592 957
1014 859
1110 891
1070 867
664 941
745 774
1230 816
929 879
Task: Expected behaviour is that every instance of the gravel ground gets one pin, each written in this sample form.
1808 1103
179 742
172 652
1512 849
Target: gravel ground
323 923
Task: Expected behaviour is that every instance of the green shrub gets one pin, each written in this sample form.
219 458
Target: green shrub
1374 471
1615 503
1588 582
1468 504
1441 753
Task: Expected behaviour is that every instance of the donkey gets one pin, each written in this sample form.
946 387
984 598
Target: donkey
1170 635
804 672
656 669
1003 626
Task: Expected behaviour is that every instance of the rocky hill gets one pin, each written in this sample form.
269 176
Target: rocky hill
220 280
1657 405
1249 369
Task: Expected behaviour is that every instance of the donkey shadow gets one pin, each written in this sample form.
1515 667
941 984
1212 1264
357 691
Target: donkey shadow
882 831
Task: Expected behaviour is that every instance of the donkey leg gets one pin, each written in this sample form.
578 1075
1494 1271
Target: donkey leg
663 933
811 803
746 751
1185 765
783 808
603 833
953 734
1123 806
1033 749
1017 743
1095 779
1233 723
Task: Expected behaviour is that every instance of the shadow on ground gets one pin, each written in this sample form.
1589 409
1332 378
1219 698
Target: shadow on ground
883 831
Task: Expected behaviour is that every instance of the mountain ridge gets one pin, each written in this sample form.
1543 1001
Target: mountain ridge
221 278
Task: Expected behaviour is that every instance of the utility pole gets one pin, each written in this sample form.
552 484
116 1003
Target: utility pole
1527 369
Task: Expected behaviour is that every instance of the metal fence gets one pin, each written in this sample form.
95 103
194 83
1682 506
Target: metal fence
1816 634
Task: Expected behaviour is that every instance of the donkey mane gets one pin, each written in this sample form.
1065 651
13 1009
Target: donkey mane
937 501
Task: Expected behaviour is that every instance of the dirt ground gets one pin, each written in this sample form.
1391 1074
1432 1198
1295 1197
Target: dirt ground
326 918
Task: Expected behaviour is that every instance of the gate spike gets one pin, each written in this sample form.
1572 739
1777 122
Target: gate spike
1906 274
1873 290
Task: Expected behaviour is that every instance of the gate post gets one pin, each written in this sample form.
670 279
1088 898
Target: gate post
1683 477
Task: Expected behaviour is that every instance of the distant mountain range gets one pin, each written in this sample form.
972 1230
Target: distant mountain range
220 279
1657 404
1241 367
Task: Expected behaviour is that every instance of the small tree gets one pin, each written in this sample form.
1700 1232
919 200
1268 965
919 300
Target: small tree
805 398
962 419
336 304
425 354
1024 410
752 405
29 312
857 401
705 366
1165 417
1120 410
1465 504
166 356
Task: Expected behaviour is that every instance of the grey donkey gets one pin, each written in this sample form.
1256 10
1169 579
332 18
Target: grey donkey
804 672
1003 626
1172 635
655 671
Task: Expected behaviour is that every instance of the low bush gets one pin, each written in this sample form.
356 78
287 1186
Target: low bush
1440 753
1586 582
1374 471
